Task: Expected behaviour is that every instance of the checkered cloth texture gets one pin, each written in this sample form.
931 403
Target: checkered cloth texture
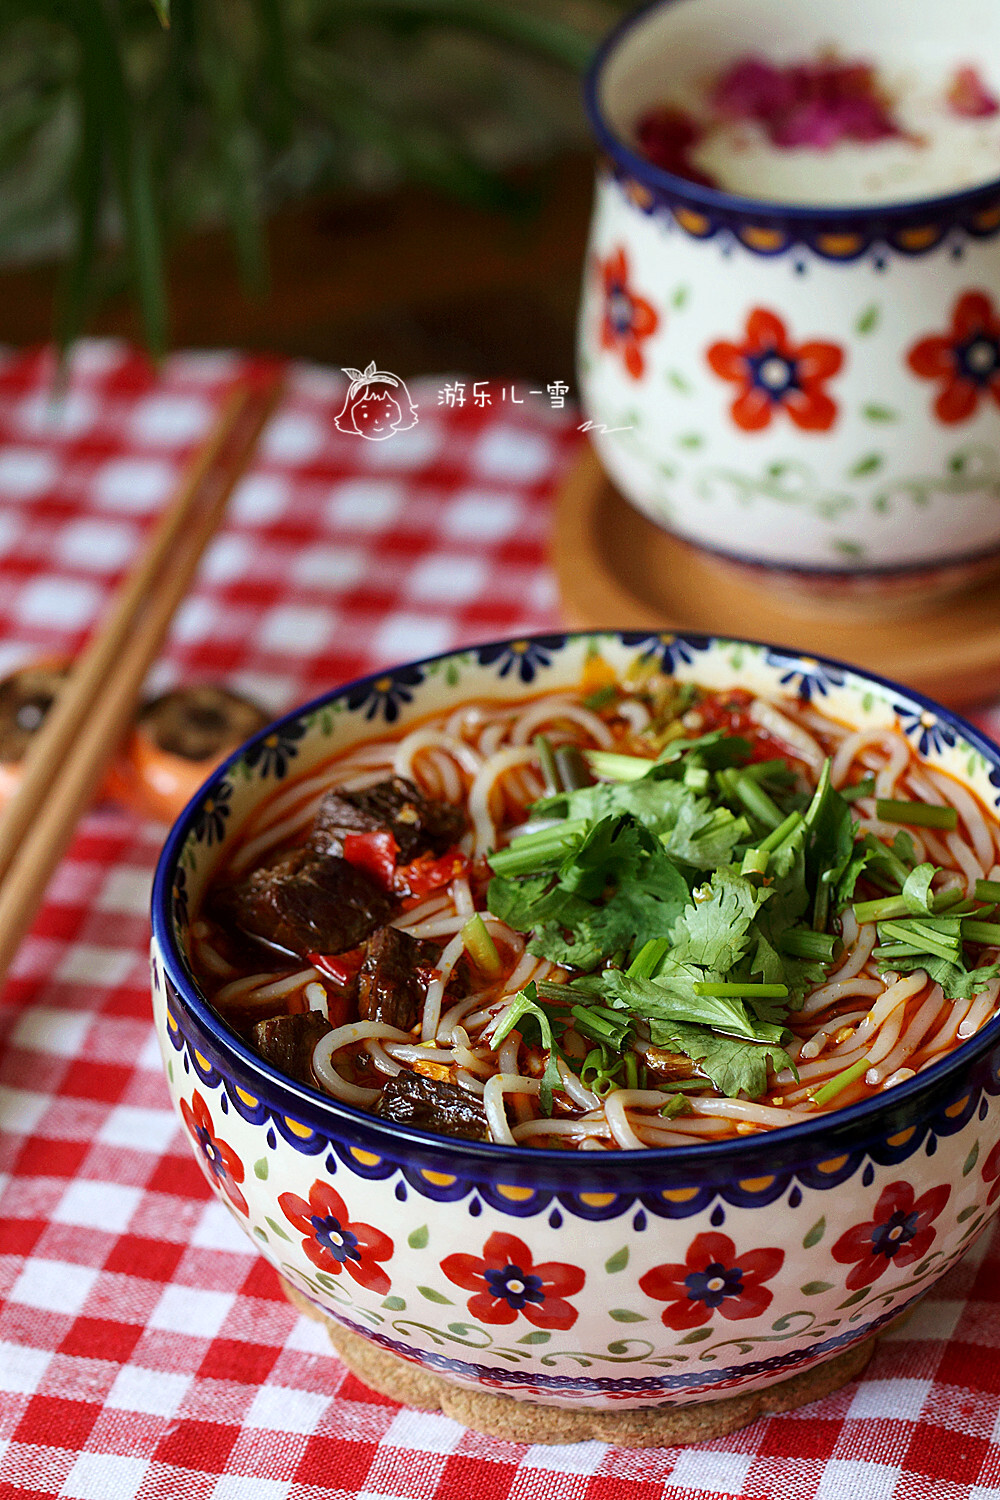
146 1352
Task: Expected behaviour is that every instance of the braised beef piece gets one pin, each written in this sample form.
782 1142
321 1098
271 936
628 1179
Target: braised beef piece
418 823
287 1043
306 902
393 979
430 1104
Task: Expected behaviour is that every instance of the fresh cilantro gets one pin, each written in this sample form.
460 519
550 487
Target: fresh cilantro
733 1066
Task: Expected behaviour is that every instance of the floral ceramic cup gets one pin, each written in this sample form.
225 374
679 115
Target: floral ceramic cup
583 1279
812 393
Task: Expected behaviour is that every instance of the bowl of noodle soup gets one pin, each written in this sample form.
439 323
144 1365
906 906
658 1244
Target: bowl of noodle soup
652 1052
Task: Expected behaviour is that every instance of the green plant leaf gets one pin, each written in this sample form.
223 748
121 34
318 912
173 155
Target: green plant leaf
277 1229
814 1288
433 1296
855 1297
622 1315
971 1159
868 464
394 1304
539 1336
417 1239
815 1234
868 319
261 1168
878 413
617 1262
696 1336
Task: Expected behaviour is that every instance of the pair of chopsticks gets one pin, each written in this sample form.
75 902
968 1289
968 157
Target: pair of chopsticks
82 731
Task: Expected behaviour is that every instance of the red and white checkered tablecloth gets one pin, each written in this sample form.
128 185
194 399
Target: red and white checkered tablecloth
146 1352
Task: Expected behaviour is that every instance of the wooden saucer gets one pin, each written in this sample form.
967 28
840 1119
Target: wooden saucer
617 570
528 1422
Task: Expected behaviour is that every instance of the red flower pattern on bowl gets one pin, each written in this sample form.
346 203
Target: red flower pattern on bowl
626 318
505 1282
333 1241
713 1279
219 1161
898 1234
966 360
774 375
991 1174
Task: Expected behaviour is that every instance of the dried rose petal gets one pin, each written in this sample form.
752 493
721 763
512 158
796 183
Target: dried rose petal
968 95
666 136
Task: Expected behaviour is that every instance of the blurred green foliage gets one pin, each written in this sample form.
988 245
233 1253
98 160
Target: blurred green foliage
124 123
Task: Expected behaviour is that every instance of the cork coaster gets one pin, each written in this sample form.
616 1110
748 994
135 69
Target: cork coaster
528 1422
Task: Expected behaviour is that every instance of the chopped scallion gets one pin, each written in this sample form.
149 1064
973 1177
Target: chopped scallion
917 814
981 932
836 1085
528 852
481 948
572 768
987 890
547 762
800 942
740 989
755 862
863 788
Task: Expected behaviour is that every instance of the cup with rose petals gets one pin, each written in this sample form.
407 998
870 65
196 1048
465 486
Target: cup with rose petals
790 326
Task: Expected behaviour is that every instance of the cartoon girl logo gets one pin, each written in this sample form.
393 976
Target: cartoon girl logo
377 404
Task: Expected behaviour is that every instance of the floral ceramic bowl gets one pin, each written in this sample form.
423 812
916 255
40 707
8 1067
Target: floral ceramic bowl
583 1279
809 391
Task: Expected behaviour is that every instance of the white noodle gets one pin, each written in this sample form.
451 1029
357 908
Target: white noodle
484 782
793 735
435 990
342 1036
263 986
615 1106
554 708
496 1115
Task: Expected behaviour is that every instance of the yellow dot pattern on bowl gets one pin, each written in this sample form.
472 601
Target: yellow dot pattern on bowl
365 1158
172 1021
297 1128
756 1184
988 219
679 1195
437 1179
638 194
919 237
202 1062
694 223
758 237
954 1110
839 245
597 1200
248 1099
833 1165
902 1137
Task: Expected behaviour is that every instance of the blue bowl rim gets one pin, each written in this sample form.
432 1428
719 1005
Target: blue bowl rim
880 217
492 1154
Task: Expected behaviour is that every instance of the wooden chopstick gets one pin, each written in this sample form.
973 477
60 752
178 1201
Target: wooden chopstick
82 731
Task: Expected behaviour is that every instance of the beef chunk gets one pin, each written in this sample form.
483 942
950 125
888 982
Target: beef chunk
393 978
306 902
287 1043
410 1099
417 822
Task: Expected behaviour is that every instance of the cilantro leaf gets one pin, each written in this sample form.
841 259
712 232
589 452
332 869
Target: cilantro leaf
714 932
671 996
735 1067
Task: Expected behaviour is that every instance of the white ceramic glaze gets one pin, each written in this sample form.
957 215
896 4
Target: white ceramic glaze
628 1278
878 327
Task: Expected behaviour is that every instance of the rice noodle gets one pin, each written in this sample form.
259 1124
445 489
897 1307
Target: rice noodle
482 755
496 1115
